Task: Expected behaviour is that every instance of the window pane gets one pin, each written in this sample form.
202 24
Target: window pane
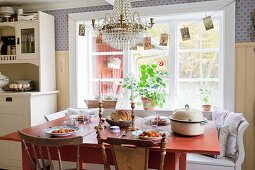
188 93
110 89
192 66
155 34
210 63
189 65
107 66
194 30
211 37
160 59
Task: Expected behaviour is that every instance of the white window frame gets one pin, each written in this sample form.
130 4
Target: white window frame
228 46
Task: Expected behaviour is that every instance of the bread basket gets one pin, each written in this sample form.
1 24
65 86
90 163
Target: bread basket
120 123
121 118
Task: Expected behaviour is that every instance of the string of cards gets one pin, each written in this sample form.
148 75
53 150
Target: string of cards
208 23
185 33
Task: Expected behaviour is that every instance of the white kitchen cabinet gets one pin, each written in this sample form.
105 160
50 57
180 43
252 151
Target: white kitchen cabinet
19 111
34 44
34 60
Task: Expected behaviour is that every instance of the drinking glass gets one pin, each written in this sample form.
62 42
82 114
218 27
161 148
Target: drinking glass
154 120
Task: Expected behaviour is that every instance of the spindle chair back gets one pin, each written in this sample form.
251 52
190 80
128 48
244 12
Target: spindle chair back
48 142
131 154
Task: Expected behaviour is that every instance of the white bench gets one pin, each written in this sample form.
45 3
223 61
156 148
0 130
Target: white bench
201 162
194 161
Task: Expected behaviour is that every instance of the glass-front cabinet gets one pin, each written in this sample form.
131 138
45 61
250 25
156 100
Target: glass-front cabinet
7 41
27 40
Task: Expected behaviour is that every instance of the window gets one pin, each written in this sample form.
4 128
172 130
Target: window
191 64
198 64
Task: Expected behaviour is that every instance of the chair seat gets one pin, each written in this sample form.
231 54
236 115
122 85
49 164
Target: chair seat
206 160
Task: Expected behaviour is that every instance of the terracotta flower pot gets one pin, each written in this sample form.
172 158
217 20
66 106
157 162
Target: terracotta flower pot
206 107
147 104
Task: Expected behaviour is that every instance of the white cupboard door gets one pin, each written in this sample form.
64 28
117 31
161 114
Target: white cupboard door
27 41
13 119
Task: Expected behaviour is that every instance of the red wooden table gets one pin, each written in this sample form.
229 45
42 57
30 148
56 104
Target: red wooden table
177 147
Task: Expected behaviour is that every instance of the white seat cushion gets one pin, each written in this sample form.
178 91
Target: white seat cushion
206 160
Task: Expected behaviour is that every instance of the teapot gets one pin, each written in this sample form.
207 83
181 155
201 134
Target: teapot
3 82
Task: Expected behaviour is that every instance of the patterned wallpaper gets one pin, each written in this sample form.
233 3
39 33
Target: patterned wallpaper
243 18
245 9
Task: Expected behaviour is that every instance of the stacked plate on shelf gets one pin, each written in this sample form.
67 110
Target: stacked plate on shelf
6 12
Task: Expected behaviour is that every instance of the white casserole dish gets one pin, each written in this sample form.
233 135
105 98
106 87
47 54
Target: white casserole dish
188 122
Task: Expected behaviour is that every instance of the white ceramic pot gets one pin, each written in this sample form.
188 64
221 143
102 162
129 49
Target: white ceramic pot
189 122
3 82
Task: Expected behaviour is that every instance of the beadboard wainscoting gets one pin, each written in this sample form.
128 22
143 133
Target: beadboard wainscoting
62 73
245 96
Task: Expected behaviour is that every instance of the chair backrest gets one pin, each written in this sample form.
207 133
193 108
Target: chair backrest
39 143
131 154
55 116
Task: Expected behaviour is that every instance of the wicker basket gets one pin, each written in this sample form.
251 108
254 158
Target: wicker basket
107 104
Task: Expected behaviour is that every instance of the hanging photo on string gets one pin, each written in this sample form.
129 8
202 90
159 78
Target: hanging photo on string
208 23
185 33
163 39
147 43
81 30
99 39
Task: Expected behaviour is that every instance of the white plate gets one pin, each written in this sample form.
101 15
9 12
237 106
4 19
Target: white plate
51 129
138 132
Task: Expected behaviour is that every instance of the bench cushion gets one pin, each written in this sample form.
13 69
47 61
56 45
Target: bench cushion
206 160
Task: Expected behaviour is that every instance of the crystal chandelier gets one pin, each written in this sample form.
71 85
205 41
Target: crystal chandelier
124 28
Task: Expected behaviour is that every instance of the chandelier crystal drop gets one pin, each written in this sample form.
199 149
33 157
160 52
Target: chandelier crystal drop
123 28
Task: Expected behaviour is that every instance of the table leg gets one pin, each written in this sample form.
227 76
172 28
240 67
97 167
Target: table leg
25 160
171 160
182 161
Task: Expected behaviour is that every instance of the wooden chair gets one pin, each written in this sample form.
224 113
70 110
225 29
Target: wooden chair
55 116
48 142
131 154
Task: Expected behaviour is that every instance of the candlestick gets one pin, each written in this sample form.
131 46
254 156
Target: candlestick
132 127
100 92
132 91
100 117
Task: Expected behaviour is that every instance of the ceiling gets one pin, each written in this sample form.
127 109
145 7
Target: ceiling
42 5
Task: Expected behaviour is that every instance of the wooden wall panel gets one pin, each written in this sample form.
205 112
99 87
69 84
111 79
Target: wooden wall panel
245 97
62 72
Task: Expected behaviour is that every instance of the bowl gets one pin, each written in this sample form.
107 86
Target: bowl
120 123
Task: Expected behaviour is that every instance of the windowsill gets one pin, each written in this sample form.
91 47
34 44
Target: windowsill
157 110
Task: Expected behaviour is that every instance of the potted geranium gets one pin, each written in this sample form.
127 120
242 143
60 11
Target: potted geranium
205 99
150 86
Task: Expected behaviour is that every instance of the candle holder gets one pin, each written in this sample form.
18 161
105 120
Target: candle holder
132 127
100 117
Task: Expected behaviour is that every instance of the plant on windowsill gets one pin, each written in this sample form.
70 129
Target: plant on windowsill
151 86
205 99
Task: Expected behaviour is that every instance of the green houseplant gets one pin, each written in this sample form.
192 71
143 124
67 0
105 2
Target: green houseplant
205 95
150 86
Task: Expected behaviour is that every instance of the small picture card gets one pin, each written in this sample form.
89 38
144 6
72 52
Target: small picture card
208 23
99 38
81 30
163 39
147 43
185 33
